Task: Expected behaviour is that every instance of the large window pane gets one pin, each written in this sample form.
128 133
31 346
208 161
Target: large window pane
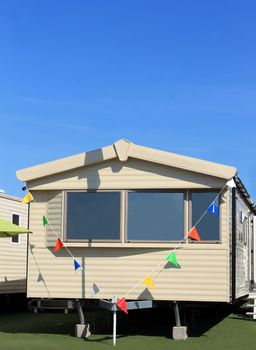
155 216
208 227
93 215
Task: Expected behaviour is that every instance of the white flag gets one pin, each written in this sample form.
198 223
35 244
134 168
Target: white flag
231 183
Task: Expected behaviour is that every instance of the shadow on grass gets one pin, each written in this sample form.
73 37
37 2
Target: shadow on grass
149 322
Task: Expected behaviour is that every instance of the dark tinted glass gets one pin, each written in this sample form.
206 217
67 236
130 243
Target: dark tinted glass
92 215
16 221
155 216
208 227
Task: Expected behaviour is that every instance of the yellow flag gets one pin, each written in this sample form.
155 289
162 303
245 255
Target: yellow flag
148 281
28 198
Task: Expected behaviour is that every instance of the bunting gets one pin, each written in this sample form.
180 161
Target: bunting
148 281
121 303
76 264
45 221
194 234
231 183
172 259
27 199
213 209
59 245
95 289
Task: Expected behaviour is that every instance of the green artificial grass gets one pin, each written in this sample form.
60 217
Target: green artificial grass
151 330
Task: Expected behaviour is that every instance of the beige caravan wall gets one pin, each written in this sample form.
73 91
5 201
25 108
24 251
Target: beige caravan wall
13 257
243 247
204 274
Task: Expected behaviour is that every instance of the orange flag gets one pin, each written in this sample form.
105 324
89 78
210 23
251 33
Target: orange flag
121 303
58 245
194 234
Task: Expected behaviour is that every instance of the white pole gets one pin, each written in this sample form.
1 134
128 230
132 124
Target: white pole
114 328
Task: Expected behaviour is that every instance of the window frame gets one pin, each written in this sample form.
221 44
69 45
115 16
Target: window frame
123 241
11 238
89 241
190 208
127 241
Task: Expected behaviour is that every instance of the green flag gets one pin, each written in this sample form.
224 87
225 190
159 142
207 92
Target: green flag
172 258
45 220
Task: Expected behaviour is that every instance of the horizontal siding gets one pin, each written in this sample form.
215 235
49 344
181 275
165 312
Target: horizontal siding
204 273
242 252
131 174
13 257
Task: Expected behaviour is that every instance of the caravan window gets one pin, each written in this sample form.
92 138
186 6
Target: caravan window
155 216
93 215
208 226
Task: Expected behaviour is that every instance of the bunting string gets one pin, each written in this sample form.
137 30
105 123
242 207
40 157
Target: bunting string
147 280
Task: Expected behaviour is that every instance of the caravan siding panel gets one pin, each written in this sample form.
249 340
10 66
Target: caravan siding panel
130 175
242 248
203 276
13 256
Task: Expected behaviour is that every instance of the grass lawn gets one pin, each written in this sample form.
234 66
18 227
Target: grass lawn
24 330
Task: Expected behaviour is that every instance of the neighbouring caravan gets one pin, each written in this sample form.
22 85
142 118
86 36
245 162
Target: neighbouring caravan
120 210
13 257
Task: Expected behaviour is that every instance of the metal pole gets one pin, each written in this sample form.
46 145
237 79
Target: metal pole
80 311
177 313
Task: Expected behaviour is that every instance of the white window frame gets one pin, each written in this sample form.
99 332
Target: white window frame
121 211
19 215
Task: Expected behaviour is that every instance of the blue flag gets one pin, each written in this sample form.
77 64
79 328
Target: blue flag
76 265
213 209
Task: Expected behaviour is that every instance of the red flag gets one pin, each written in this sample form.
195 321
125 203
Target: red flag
58 245
121 303
194 234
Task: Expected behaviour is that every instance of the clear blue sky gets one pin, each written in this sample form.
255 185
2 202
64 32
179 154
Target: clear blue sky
175 75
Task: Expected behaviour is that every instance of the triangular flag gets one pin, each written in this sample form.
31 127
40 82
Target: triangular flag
28 198
121 303
213 209
194 234
76 264
148 281
172 258
231 183
95 289
45 220
59 245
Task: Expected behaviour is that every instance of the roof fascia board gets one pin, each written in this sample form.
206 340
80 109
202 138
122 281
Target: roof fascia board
124 149
67 163
182 162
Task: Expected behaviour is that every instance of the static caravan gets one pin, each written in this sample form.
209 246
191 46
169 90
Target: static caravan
121 210
13 257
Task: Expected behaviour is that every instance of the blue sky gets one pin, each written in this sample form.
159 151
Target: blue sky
174 75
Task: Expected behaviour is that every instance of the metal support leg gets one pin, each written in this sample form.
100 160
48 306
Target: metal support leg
80 312
177 313
178 332
82 330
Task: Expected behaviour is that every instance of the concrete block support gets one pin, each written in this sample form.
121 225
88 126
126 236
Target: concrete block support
82 330
179 333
